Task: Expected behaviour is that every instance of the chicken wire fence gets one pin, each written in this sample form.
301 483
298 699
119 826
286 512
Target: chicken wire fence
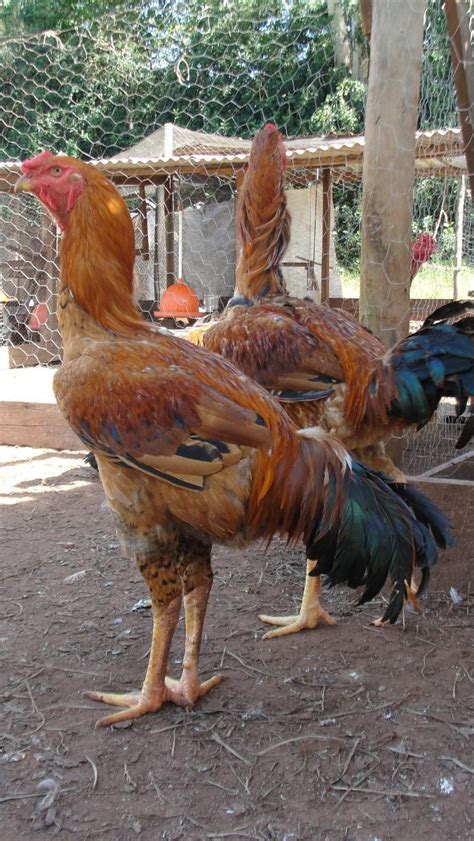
166 97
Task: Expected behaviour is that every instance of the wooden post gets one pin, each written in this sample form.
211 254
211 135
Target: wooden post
366 16
459 233
326 235
156 250
239 180
463 68
145 248
389 166
169 230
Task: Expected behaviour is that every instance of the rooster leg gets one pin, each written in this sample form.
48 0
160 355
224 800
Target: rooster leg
196 577
166 602
311 612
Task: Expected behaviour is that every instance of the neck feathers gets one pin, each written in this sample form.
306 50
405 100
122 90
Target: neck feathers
263 230
97 259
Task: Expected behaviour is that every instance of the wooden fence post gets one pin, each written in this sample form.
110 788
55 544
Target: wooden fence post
389 166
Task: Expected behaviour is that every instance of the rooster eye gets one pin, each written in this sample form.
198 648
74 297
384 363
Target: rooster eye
55 170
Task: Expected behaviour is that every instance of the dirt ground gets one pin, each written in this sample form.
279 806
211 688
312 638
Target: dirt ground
349 732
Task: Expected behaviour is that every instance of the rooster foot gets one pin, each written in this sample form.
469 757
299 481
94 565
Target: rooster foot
136 704
306 620
183 692
186 691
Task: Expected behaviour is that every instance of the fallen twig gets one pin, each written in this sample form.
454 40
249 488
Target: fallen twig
27 795
384 792
379 707
35 710
12 615
458 763
246 666
348 761
155 786
216 738
218 785
94 772
309 737
127 776
401 752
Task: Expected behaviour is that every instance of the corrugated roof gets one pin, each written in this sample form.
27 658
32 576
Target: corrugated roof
171 142
178 150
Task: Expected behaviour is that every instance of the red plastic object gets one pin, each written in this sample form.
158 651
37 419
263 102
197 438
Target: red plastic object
179 301
38 317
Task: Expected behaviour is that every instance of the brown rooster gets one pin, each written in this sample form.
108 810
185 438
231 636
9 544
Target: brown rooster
190 451
321 363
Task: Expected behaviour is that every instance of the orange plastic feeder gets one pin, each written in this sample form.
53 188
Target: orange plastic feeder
178 301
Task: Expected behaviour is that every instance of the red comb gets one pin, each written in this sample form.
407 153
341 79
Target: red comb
270 127
32 164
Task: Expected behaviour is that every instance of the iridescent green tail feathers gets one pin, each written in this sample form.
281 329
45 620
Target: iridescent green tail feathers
386 530
437 361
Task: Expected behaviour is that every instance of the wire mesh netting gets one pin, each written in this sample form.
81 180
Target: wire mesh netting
167 96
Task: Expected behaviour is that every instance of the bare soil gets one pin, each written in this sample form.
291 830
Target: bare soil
349 732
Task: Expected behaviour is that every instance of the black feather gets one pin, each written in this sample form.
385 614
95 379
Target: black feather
386 529
468 429
91 461
437 361
451 310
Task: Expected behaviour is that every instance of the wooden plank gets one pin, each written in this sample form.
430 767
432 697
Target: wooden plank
36 425
389 166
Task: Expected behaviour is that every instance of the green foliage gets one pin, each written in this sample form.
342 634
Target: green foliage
438 106
28 16
342 111
347 211
103 74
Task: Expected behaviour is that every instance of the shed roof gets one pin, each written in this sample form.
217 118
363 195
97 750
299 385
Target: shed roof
174 150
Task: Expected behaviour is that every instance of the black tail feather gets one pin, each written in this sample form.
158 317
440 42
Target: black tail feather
91 461
437 361
447 311
386 529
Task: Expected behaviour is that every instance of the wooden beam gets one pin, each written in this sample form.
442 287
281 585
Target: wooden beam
169 231
326 235
36 425
457 21
389 166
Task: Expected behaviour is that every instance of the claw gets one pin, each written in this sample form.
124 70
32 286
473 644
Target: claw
185 692
306 620
136 704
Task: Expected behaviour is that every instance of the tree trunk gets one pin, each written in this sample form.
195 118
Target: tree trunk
342 50
460 36
389 166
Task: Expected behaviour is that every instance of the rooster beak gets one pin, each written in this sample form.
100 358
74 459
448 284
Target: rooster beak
23 183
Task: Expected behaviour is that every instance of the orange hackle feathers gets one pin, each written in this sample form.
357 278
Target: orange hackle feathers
263 220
